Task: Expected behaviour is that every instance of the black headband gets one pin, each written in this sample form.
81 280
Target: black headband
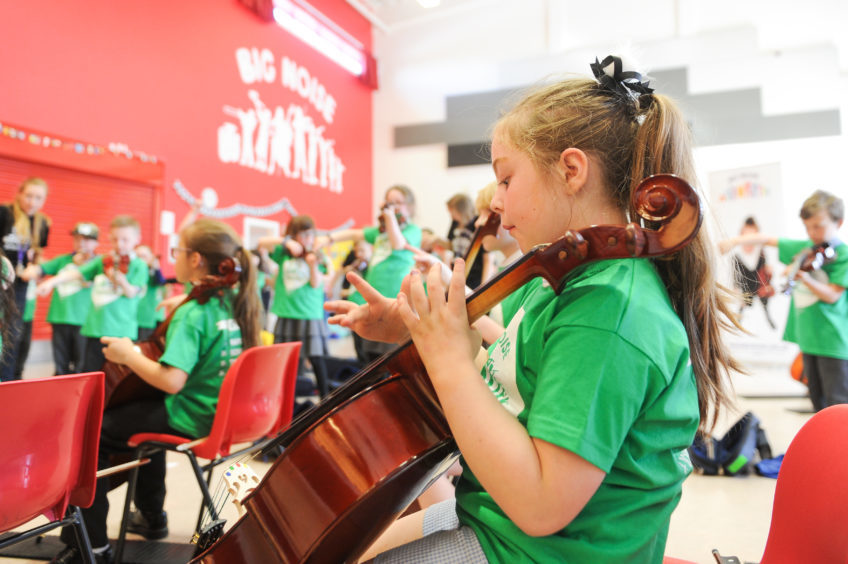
627 83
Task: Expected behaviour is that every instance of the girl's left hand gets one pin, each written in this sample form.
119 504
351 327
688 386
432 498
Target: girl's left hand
118 349
376 320
438 325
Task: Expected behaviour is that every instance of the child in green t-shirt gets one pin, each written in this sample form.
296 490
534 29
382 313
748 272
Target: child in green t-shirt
299 289
70 301
118 280
391 260
818 314
573 426
201 342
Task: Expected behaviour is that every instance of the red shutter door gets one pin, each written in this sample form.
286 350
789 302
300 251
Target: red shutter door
79 196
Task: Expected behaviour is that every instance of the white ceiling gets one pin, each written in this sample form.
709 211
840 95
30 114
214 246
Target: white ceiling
395 13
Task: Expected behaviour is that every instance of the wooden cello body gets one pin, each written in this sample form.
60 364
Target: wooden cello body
353 463
122 385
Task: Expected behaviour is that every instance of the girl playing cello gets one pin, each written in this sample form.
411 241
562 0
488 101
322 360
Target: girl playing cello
190 371
574 439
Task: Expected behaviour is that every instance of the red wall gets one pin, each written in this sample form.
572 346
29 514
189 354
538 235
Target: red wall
156 75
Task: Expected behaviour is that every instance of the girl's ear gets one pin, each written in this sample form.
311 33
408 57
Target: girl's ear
196 260
574 166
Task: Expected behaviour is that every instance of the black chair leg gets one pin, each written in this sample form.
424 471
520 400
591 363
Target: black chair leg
201 481
203 505
122 535
83 542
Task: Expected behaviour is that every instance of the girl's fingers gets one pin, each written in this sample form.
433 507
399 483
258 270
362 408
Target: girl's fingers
407 315
435 287
456 290
364 288
339 306
417 295
406 284
337 320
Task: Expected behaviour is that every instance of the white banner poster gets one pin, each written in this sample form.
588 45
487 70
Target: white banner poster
746 200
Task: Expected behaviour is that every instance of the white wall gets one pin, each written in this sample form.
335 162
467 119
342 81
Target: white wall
798 57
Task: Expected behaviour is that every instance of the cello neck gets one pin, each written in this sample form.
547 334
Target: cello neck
663 199
488 228
502 285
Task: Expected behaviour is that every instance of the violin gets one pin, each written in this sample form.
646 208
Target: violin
354 462
401 218
808 260
122 385
122 264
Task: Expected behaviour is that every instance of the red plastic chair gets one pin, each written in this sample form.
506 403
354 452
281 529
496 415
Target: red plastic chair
48 448
809 518
810 512
256 401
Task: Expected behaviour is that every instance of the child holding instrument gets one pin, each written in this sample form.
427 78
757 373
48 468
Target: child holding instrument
390 259
299 290
70 301
202 340
574 439
818 314
118 281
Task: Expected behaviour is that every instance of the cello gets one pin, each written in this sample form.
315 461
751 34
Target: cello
353 463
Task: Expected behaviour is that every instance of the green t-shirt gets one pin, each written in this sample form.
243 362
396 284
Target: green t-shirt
148 315
602 370
31 298
70 301
817 327
294 296
388 266
112 313
202 340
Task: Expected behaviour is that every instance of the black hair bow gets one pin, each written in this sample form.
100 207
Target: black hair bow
628 83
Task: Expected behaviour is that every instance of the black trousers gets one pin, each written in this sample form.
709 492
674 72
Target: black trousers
68 348
827 379
93 358
119 424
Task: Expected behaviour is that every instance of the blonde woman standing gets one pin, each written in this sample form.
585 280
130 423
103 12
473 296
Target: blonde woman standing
24 231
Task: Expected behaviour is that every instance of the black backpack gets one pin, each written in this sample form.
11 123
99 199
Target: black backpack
733 454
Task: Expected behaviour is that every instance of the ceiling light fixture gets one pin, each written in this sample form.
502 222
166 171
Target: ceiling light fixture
307 26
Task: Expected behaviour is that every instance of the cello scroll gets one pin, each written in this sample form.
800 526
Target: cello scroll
662 200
